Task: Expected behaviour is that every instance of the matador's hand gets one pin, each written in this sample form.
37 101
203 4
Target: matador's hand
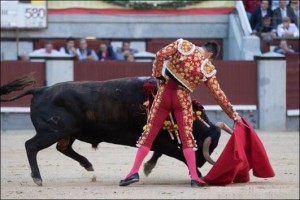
237 118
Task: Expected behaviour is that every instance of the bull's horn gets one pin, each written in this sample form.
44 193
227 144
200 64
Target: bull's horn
205 150
224 127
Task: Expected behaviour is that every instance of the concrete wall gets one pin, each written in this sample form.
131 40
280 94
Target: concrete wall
115 27
239 46
16 121
292 123
22 121
9 49
233 42
109 26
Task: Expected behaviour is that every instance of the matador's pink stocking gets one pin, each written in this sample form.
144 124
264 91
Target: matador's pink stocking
189 155
140 155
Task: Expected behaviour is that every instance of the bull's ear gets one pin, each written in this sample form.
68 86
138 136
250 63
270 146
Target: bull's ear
197 104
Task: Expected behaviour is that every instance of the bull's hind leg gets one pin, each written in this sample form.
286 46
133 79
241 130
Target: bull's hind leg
65 147
33 146
150 164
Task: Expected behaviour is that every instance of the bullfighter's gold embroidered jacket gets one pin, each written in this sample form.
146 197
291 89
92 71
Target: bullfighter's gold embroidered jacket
187 63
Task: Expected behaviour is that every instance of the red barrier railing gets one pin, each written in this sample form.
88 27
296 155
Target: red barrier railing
238 79
292 78
10 70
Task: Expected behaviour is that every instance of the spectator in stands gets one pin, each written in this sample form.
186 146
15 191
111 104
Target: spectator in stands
284 48
106 52
295 5
259 13
284 11
125 50
287 29
84 52
69 48
24 57
273 4
266 30
130 58
48 50
250 6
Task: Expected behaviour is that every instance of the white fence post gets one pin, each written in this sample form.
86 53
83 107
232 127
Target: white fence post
59 70
272 91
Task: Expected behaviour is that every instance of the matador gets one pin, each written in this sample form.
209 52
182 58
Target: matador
179 68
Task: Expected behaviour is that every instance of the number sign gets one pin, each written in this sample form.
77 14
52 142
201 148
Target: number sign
24 14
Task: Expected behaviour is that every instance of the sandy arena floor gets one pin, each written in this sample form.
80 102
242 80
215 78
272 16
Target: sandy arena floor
64 178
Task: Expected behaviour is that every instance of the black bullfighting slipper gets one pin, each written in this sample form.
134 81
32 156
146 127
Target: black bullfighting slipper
195 183
131 179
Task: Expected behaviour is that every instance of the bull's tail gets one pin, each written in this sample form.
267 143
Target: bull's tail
16 85
31 91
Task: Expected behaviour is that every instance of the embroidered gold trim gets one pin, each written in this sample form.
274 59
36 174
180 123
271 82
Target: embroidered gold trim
179 48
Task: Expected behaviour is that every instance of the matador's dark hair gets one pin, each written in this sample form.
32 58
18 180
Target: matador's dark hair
212 47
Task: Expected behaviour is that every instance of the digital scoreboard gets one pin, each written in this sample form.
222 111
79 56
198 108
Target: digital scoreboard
24 14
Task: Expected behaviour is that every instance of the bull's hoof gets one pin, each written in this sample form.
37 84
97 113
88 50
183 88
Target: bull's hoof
90 168
94 178
38 181
148 166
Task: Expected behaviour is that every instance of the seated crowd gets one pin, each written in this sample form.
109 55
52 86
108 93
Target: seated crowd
271 19
284 48
84 52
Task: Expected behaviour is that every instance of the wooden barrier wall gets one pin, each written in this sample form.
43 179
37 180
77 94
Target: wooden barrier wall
292 72
10 70
95 71
238 79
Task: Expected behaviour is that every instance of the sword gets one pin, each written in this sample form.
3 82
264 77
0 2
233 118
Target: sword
202 120
176 132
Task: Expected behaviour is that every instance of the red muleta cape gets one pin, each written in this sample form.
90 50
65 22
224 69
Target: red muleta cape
243 152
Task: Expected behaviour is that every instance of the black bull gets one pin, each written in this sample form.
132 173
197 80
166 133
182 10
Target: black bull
103 111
